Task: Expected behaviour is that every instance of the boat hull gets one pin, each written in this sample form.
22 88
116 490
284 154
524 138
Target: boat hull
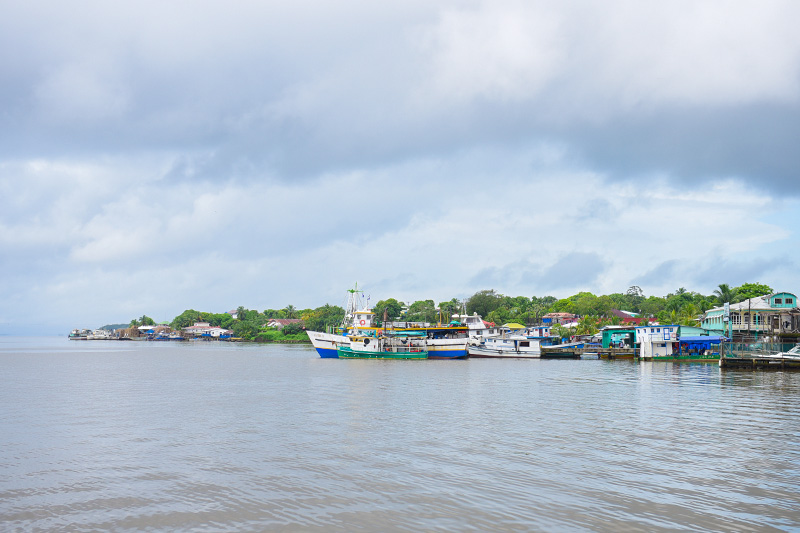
447 348
478 351
346 352
327 343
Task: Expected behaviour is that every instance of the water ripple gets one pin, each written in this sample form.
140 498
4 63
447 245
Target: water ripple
250 438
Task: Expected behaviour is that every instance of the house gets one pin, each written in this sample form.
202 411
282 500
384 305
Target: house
769 314
657 341
626 317
280 323
204 329
618 336
558 318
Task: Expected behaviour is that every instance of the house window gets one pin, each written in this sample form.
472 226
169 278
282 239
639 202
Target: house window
789 300
778 301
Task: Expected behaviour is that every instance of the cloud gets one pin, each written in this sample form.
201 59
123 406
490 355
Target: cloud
266 154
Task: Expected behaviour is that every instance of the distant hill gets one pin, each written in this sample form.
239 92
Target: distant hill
112 327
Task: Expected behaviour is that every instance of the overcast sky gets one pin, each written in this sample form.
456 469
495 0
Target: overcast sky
159 156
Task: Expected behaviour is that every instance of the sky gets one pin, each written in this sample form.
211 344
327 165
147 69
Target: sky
162 156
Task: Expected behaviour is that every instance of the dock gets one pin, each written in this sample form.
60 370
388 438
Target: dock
565 352
759 363
760 355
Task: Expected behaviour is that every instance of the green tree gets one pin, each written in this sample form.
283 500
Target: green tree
293 329
392 307
564 305
635 297
422 311
499 316
752 290
560 331
450 308
322 317
724 293
186 319
483 302
290 311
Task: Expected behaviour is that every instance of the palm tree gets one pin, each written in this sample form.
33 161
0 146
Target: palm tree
290 311
725 294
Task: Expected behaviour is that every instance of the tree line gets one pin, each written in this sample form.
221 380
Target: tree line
678 307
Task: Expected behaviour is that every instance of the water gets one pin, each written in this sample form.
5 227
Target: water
102 435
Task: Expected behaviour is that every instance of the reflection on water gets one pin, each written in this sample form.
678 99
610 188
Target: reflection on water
98 435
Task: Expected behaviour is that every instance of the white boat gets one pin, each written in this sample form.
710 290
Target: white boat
356 316
79 334
444 341
516 346
99 335
791 355
476 327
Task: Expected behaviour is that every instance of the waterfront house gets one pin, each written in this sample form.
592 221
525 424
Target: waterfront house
769 314
204 329
618 336
657 341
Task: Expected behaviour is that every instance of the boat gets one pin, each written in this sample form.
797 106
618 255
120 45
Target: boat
792 355
507 345
100 335
356 317
444 340
570 350
394 346
79 334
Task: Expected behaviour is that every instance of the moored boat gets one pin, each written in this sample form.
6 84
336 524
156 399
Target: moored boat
511 346
79 334
397 346
443 340
356 318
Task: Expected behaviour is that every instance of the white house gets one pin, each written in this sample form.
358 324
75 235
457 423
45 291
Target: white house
656 341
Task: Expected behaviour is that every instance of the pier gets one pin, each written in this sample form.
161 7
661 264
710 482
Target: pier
760 355
560 352
759 363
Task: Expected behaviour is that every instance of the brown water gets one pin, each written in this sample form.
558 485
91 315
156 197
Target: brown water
101 435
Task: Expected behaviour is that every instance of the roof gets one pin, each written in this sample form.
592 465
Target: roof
702 338
759 302
284 321
623 314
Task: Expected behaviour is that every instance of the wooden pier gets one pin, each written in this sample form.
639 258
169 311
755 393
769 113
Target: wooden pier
557 352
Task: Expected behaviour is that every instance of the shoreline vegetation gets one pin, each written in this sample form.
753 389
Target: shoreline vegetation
289 325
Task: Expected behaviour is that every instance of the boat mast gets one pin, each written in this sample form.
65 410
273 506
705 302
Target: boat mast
353 303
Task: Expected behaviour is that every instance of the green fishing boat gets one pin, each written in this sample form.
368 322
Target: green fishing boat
407 345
